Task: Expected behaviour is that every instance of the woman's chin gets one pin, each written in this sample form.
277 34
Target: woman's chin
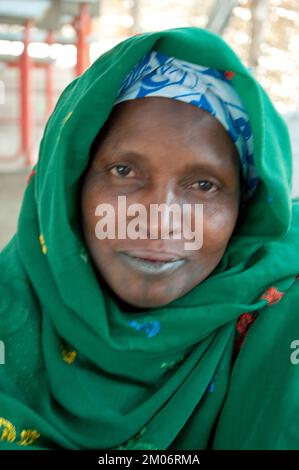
152 300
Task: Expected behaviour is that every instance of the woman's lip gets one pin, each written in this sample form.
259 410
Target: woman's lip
152 267
150 255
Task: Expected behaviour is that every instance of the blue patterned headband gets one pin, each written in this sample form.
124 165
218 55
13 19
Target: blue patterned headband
207 88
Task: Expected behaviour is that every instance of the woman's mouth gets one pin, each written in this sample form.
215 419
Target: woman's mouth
152 262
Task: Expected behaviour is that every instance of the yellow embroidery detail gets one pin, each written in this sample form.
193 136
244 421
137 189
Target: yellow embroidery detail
42 242
9 431
67 117
69 356
28 436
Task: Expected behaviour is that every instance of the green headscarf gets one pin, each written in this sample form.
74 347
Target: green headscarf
77 375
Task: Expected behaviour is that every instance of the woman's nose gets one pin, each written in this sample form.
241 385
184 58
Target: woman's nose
163 211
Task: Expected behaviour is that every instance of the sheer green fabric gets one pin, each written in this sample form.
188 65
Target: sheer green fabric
76 374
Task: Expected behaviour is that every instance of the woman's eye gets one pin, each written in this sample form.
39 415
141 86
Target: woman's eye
204 185
122 170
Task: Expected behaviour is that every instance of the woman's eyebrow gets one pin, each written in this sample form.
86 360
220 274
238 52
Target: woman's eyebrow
116 153
208 163
125 153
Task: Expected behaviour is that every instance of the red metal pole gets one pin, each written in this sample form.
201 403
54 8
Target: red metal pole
82 26
25 98
49 81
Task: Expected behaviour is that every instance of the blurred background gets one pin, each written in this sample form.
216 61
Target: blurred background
44 44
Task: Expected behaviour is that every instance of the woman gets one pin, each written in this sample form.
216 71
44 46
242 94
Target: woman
123 343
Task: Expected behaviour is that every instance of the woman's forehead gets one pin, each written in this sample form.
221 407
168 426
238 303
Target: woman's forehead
160 129
158 115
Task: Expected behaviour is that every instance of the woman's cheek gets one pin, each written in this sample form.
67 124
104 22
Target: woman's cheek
218 225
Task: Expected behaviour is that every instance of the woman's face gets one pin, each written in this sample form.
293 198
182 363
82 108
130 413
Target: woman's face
155 151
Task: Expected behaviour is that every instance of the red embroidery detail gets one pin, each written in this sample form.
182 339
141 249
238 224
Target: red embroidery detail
272 295
229 74
244 322
32 173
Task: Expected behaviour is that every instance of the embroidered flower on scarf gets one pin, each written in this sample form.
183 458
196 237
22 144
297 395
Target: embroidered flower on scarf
272 295
229 74
69 356
150 328
244 322
9 434
8 430
212 386
28 436
43 245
